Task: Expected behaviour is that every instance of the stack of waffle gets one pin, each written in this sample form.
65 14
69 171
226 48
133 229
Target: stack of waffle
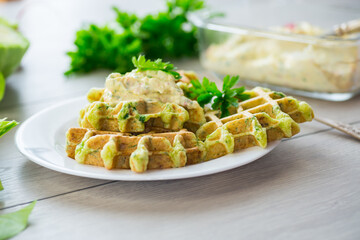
141 135
136 135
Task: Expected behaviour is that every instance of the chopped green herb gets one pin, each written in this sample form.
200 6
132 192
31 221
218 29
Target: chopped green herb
142 118
280 94
13 223
126 116
207 92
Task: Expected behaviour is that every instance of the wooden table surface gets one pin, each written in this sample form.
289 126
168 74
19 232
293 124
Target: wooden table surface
307 188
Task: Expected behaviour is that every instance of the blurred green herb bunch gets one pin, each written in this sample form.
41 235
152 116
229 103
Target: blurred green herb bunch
166 34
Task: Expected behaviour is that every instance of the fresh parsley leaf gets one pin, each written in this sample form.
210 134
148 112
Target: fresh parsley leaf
103 47
224 108
185 5
207 92
204 99
158 65
13 223
142 118
5 126
167 34
228 82
125 19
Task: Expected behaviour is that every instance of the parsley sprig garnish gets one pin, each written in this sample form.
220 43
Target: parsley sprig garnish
158 65
207 92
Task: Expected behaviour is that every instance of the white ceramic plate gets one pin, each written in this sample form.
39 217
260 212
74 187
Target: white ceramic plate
41 138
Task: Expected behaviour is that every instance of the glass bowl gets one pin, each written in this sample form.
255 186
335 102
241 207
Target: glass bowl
284 46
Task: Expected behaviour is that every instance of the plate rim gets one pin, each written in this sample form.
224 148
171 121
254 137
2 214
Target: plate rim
139 177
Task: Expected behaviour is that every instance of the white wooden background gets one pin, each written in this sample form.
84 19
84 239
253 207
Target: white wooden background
307 188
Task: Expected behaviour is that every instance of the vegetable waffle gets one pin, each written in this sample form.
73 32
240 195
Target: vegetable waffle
265 117
139 153
139 116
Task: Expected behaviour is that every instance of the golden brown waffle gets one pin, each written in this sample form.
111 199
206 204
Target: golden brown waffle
148 151
139 116
74 136
265 117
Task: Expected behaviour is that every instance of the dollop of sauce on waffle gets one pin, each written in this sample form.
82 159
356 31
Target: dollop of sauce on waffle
145 85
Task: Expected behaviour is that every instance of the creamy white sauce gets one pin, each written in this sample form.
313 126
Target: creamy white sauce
145 85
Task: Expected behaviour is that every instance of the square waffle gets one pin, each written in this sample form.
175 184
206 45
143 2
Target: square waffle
140 116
